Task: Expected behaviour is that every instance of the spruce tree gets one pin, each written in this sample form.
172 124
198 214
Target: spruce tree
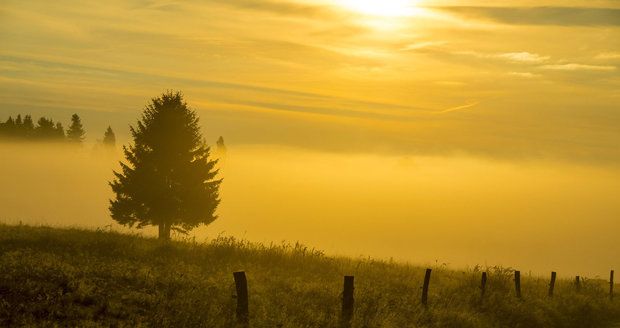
221 147
8 128
45 128
19 127
28 126
60 131
169 180
109 138
76 130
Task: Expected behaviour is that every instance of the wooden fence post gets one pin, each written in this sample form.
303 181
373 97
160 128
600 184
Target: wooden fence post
518 283
577 283
483 284
347 302
552 283
243 313
427 281
611 285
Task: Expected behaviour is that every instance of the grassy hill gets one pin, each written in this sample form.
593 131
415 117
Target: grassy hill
83 278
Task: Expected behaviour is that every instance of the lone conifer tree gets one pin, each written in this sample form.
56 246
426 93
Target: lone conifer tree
221 147
75 133
109 138
169 180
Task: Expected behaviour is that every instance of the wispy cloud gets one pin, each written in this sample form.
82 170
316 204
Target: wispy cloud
459 108
540 61
450 83
525 57
526 75
282 7
283 62
578 67
566 16
422 45
608 55
280 98
519 57
288 8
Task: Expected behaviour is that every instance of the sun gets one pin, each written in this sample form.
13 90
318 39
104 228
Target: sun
384 8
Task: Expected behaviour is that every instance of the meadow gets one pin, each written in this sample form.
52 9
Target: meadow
86 278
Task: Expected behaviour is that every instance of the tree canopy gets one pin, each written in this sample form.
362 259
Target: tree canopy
169 180
76 130
109 138
24 129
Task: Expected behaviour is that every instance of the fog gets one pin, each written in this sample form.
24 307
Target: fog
459 210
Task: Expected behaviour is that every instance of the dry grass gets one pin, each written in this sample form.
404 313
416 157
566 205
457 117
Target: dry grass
73 277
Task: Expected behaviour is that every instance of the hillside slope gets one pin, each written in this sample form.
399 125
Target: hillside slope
93 278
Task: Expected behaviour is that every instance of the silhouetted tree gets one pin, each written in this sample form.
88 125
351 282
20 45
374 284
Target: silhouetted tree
28 122
60 131
221 148
18 130
169 180
109 138
27 127
8 128
76 130
45 129
24 129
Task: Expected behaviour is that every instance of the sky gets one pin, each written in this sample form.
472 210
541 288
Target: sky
516 79
460 132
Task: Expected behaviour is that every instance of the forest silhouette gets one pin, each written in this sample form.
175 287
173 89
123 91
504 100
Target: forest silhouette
23 128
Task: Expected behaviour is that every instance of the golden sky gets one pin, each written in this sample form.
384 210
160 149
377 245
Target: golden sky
492 78
470 132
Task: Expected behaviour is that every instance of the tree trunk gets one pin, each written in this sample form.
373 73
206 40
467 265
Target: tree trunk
167 231
164 231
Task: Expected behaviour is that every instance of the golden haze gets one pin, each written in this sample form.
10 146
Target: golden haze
466 132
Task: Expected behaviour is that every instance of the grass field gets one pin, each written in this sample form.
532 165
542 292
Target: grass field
71 277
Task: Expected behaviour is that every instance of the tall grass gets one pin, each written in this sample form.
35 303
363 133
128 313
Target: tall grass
75 277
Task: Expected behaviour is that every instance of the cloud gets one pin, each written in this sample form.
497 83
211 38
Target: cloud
451 83
264 66
578 67
223 92
282 7
525 57
458 108
608 55
519 57
532 58
526 75
422 45
565 16
276 7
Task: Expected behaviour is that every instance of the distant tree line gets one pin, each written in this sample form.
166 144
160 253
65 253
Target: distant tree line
47 130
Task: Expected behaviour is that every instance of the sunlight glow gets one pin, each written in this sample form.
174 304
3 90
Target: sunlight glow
384 8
